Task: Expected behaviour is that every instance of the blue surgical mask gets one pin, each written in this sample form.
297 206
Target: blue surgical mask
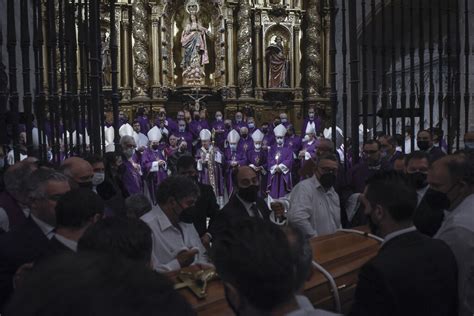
219 118
182 129
251 125
233 147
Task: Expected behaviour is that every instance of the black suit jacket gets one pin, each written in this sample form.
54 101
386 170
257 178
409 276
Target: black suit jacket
22 245
232 212
206 207
435 153
55 247
428 217
411 275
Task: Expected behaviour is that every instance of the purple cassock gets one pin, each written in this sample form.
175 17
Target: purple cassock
294 142
259 159
203 168
195 127
279 182
245 144
188 138
144 123
221 135
154 174
131 178
310 148
268 140
317 124
238 125
239 158
170 125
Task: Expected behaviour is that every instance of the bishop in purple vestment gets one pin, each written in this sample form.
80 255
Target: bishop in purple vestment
257 160
280 163
219 128
234 158
131 174
313 121
245 142
239 121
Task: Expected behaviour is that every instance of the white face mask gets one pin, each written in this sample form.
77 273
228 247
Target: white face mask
98 178
219 118
258 146
233 146
306 138
279 141
311 115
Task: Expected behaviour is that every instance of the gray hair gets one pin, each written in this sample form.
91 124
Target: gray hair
36 185
137 205
14 178
126 139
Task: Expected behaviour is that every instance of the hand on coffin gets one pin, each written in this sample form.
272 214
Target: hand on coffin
186 257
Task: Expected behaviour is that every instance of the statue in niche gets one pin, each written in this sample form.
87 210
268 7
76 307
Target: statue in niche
106 61
196 54
278 65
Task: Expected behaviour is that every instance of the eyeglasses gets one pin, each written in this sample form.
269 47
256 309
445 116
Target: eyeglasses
131 146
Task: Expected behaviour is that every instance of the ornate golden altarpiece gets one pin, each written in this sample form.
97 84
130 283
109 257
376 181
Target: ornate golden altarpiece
238 35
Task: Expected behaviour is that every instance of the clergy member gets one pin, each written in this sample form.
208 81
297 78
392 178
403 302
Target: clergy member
131 172
154 163
257 160
313 120
309 145
210 162
245 142
234 157
239 121
280 162
219 129
185 134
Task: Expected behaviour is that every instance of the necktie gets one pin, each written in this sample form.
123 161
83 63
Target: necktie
256 212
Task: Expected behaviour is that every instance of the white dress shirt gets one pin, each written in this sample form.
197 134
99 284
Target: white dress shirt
168 241
457 230
421 193
314 210
71 244
47 229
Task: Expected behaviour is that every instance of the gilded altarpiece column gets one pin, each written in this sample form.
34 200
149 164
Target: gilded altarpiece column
141 56
312 53
245 52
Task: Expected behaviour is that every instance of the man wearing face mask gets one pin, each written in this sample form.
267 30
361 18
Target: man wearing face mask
268 138
206 206
130 171
292 140
257 160
412 274
389 152
469 141
280 163
98 168
312 120
176 243
314 203
428 215
184 134
79 171
244 203
245 142
453 178
234 157
181 151
424 141
284 120
251 125
220 131
199 123
154 164
239 121
164 122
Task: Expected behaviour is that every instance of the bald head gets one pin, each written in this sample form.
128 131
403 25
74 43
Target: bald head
78 170
245 177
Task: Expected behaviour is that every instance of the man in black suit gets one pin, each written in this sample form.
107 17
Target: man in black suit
206 206
245 202
29 241
424 140
75 212
412 274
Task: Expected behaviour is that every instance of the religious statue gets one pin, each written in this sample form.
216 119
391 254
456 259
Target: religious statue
278 65
106 61
194 43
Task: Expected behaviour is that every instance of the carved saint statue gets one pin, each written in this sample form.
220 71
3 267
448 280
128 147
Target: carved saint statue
106 61
193 40
278 65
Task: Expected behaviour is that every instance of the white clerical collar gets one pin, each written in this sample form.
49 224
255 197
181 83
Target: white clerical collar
47 229
71 244
398 233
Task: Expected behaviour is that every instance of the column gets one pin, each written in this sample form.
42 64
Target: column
126 92
230 47
155 46
118 19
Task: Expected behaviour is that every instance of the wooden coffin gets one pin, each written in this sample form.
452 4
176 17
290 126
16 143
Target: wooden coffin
341 254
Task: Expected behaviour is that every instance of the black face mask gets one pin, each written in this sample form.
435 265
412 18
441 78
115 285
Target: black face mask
196 117
265 130
249 194
85 185
187 215
227 126
327 180
155 147
437 199
244 135
418 179
423 144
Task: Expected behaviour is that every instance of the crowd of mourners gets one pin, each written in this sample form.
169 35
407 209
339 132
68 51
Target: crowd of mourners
101 235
